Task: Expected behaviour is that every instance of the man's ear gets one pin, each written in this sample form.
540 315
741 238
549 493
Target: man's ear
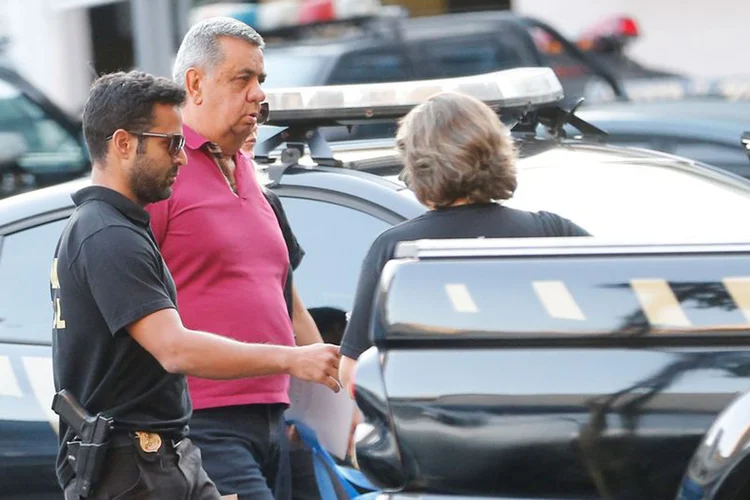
123 144
194 85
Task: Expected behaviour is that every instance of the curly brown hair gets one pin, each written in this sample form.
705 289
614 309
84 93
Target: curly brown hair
455 147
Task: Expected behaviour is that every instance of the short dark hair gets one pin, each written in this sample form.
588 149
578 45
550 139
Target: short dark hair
124 101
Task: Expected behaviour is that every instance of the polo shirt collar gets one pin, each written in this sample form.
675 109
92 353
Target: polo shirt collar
122 203
193 139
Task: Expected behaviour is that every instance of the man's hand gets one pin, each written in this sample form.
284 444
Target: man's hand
316 363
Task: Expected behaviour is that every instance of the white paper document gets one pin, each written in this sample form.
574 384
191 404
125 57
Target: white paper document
327 413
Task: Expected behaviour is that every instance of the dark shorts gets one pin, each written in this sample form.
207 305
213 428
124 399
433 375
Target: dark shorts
245 450
172 472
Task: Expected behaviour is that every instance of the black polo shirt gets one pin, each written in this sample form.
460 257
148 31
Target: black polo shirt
108 273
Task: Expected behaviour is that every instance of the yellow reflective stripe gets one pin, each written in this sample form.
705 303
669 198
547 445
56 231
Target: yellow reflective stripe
659 303
739 289
557 300
39 371
9 385
461 298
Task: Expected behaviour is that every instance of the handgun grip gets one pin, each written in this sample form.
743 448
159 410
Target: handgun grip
72 413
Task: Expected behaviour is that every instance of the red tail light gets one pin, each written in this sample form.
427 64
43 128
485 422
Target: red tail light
628 27
617 27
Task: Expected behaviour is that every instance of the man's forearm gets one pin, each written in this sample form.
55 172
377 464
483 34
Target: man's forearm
206 355
211 356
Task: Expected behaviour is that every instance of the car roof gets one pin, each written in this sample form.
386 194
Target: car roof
16 209
413 30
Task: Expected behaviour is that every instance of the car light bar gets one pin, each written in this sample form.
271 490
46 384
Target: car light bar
335 104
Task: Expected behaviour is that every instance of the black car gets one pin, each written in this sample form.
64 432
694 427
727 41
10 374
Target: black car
707 130
559 368
339 197
396 48
40 144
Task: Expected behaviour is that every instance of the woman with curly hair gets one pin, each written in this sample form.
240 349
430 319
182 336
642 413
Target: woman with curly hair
460 162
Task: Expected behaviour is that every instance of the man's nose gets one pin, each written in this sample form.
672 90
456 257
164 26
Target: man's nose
256 95
182 158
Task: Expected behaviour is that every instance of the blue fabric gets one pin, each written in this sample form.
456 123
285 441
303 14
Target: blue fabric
323 463
355 477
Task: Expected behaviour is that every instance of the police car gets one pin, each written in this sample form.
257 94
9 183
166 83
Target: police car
339 197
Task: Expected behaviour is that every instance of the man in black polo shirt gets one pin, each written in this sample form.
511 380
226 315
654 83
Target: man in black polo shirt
119 346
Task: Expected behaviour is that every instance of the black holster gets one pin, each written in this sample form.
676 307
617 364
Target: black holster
85 453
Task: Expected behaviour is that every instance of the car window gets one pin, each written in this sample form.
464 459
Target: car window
335 239
364 67
25 307
644 199
452 58
34 148
292 69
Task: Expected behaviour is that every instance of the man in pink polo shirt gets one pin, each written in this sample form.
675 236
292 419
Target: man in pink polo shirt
222 242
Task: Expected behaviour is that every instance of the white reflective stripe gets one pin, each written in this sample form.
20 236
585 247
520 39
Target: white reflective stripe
8 381
461 298
739 289
659 303
557 300
39 371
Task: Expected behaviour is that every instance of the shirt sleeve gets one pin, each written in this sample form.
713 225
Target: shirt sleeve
159 213
356 339
560 226
296 252
125 276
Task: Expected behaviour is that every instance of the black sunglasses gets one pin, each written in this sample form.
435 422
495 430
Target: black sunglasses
176 141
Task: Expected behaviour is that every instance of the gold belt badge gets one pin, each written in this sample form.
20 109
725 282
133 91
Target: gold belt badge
149 442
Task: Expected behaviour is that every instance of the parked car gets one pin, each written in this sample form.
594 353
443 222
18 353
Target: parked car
339 197
40 145
707 130
559 368
396 48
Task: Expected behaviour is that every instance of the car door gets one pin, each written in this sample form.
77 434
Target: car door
553 369
336 233
28 427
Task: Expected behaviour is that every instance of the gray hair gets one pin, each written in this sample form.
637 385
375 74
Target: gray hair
200 47
454 146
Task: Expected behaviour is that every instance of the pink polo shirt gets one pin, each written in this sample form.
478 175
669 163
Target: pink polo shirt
229 261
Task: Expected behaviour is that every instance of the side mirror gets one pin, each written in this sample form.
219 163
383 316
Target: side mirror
745 140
